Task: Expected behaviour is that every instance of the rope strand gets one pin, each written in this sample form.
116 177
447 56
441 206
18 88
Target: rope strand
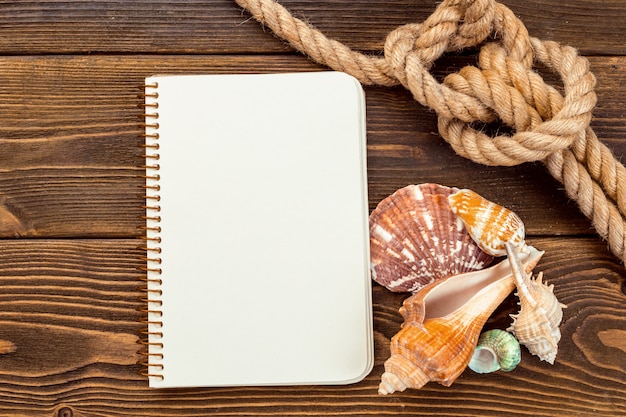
548 127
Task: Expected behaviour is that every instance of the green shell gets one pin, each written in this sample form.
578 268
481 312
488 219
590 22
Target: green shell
496 349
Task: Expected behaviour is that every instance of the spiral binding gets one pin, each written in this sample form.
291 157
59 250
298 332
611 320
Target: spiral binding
151 302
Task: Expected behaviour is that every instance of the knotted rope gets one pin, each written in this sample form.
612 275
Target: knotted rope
548 126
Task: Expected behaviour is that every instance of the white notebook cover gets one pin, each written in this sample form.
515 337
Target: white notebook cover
264 246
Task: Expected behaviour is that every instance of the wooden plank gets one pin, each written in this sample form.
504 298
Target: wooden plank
70 308
69 142
219 26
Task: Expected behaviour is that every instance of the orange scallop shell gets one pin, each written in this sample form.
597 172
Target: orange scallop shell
489 224
416 239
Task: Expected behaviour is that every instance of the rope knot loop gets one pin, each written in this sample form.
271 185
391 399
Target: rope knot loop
455 25
544 121
503 85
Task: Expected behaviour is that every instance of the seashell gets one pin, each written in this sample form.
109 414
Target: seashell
496 349
489 224
442 323
536 326
416 239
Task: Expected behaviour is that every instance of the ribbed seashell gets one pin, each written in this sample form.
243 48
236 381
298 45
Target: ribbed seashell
442 323
496 350
536 326
489 224
415 239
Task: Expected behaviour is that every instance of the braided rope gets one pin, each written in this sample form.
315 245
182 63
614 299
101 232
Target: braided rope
548 126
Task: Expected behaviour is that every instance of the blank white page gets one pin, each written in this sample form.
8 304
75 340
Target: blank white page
264 235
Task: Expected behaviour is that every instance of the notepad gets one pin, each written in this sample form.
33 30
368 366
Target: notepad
257 238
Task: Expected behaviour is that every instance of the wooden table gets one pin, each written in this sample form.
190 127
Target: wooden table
70 207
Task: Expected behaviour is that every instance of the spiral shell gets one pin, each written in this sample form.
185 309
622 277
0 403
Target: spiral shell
442 323
489 224
536 326
416 239
496 349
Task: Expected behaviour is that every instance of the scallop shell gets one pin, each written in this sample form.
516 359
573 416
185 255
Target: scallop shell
416 239
489 224
442 323
496 350
536 326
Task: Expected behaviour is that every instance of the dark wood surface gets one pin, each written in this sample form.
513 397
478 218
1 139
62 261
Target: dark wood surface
70 208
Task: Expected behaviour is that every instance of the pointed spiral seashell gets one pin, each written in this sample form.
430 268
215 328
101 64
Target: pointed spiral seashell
536 326
489 224
416 239
496 349
442 323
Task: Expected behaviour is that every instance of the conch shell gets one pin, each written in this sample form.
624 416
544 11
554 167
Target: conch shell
537 324
416 239
490 225
442 323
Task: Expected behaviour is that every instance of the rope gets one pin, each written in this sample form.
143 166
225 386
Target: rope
548 126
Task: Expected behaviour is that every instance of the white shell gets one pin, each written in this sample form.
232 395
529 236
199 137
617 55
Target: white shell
537 324
416 239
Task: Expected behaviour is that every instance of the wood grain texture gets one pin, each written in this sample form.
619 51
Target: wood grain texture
70 190
220 26
70 308
71 156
